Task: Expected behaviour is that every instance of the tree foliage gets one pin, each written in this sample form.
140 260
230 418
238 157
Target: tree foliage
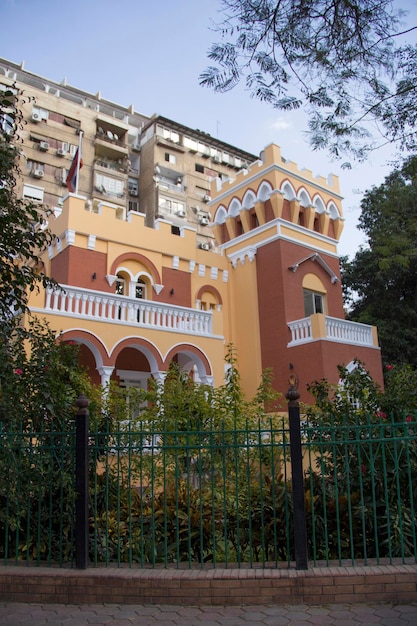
342 61
23 225
381 280
40 379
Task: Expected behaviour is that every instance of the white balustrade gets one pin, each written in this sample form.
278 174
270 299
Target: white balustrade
349 332
77 302
300 330
336 330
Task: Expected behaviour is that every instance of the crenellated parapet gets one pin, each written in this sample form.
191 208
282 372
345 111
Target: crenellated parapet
272 188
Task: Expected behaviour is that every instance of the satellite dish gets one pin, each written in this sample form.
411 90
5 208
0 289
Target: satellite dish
100 131
110 135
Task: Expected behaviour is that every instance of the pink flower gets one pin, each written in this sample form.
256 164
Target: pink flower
389 367
71 343
409 418
381 415
18 371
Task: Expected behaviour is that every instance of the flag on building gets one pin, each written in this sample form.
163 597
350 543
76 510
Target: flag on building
73 173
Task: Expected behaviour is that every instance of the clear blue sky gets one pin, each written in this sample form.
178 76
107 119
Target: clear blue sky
150 54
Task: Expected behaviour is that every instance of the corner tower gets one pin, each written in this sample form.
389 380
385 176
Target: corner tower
279 228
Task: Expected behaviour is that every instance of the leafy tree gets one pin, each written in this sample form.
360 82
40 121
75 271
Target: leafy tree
340 60
40 380
381 280
23 225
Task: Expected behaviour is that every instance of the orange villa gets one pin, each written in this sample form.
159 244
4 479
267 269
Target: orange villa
178 244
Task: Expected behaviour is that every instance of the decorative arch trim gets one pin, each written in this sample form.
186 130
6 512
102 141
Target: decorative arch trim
146 347
264 191
136 256
92 342
304 197
221 215
249 200
319 204
288 190
190 350
234 207
334 211
210 289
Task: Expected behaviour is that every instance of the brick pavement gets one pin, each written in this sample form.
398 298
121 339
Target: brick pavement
386 614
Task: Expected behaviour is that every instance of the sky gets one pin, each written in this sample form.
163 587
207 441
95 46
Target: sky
151 55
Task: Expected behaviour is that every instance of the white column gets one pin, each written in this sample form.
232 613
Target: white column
105 373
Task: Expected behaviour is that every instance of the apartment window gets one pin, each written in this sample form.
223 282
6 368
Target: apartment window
6 124
313 302
109 186
36 169
171 206
199 168
33 193
133 205
132 184
170 158
171 135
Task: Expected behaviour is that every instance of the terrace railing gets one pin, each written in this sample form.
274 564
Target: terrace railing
105 307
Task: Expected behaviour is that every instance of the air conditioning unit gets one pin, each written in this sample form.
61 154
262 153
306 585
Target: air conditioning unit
61 152
36 117
136 147
181 213
204 221
38 173
206 198
44 146
63 177
133 192
215 159
204 246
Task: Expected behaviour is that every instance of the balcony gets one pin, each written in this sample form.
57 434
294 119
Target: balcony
321 326
111 308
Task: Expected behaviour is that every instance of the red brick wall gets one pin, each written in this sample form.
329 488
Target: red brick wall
76 266
326 585
180 282
280 296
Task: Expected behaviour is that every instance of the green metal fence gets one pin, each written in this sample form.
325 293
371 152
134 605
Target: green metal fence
212 498
361 491
37 496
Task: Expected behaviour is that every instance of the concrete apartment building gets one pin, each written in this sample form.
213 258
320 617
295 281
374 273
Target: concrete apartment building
178 244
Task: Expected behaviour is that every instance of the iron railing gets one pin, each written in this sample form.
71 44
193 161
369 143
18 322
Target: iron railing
214 497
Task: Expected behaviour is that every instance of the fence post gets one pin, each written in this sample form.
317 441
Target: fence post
81 482
300 526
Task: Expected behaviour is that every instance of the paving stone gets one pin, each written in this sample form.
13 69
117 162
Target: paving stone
276 620
322 619
20 614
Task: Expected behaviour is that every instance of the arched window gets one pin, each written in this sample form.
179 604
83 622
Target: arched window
140 289
120 285
314 293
